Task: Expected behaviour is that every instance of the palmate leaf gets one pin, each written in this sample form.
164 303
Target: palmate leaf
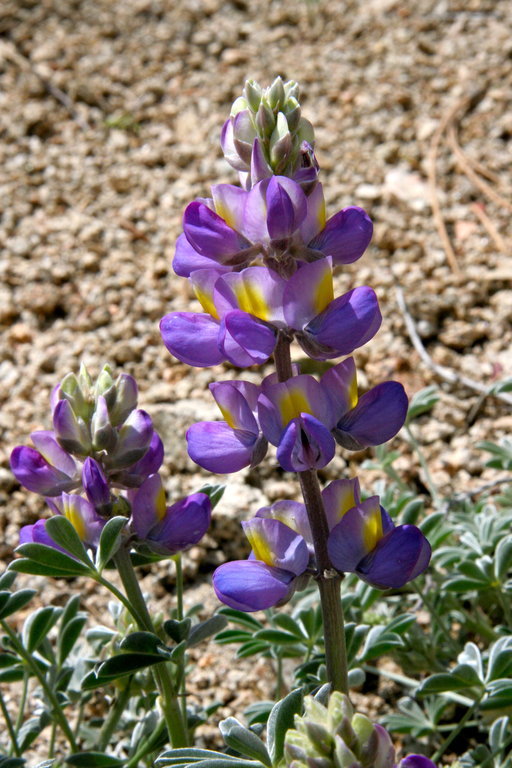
40 560
16 601
460 678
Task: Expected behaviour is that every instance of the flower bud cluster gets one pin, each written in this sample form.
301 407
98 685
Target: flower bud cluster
102 459
337 737
266 134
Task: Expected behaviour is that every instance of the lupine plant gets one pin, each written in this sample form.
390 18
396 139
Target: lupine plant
261 259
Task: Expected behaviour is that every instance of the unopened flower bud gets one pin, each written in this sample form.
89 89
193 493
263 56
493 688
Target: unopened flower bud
103 434
291 89
95 484
70 430
238 105
105 386
280 144
293 114
71 391
125 401
276 94
252 94
265 121
337 736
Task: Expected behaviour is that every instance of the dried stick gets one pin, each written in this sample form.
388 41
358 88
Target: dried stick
447 374
10 51
445 121
482 185
490 227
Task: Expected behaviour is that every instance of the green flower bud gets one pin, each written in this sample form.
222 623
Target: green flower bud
71 390
105 386
276 95
280 144
292 90
265 121
125 399
239 105
336 737
292 113
252 94
104 437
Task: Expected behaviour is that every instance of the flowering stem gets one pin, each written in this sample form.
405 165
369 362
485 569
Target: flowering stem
8 722
114 716
170 705
328 584
51 697
328 579
179 615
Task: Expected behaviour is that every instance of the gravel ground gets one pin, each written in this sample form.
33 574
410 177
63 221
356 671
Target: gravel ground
110 115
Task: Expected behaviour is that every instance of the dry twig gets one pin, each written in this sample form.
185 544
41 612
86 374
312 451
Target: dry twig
482 185
447 374
480 213
465 103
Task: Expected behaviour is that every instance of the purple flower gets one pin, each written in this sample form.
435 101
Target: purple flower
366 542
296 416
168 530
373 418
237 442
80 513
416 761
273 221
49 470
279 557
245 310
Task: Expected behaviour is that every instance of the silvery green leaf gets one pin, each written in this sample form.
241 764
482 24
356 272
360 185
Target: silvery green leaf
244 741
281 718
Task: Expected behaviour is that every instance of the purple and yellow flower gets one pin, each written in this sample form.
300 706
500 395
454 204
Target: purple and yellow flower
278 559
167 530
364 540
245 310
274 223
371 419
296 416
237 442
81 514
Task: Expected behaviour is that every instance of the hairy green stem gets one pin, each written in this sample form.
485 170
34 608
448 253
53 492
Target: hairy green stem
170 705
179 615
328 579
49 693
23 702
12 733
147 746
458 728
116 711
438 618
